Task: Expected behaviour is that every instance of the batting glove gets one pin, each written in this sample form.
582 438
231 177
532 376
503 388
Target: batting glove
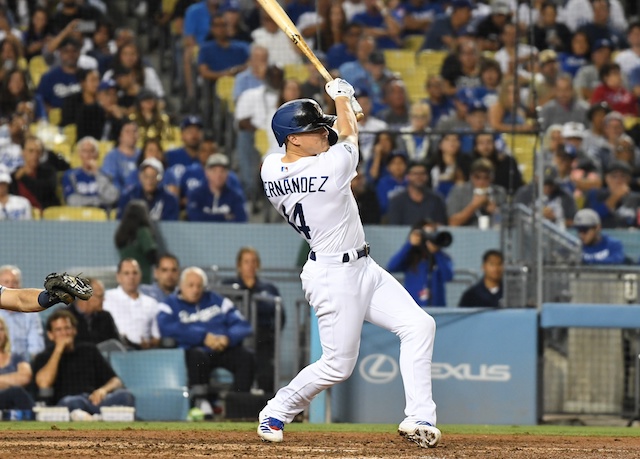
339 88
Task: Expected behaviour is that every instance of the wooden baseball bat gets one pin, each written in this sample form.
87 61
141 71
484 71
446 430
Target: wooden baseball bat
282 19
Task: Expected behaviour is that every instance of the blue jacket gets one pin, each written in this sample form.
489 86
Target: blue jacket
203 206
425 285
163 205
608 251
189 323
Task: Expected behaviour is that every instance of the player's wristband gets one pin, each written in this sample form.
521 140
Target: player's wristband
45 300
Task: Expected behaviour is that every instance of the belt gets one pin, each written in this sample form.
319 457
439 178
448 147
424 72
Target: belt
345 257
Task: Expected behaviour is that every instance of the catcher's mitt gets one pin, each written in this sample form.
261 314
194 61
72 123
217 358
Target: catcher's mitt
66 288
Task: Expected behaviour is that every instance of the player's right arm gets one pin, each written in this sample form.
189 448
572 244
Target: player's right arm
347 125
20 300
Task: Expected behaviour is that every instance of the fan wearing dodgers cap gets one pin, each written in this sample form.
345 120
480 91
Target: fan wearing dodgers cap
191 129
617 205
597 248
445 28
12 207
162 204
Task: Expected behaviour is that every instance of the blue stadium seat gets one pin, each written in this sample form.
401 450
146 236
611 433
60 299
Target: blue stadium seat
158 379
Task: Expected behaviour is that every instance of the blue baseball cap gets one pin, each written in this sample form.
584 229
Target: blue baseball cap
465 95
191 120
107 84
476 106
602 43
360 92
456 4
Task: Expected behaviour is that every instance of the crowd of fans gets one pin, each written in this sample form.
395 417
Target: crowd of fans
507 68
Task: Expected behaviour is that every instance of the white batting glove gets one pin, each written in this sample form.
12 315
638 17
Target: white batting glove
339 88
355 105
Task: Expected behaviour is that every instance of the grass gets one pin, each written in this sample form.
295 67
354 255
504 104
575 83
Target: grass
552 430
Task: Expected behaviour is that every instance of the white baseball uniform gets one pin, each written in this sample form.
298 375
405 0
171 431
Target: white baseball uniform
344 287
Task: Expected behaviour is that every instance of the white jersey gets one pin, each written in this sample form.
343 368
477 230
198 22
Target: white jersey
313 194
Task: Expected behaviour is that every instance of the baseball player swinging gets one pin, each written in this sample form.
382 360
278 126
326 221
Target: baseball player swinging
309 186
58 288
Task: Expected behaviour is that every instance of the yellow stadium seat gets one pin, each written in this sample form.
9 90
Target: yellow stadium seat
522 147
400 60
36 214
630 122
37 68
70 132
298 72
261 141
55 116
224 91
113 214
413 42
74 213
431 61
65 149
416 85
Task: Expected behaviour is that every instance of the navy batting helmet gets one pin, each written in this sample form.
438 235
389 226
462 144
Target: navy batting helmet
301 115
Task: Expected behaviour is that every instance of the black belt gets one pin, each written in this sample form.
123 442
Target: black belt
364 252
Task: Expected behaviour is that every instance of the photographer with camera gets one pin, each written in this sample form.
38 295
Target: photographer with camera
478 201
426 267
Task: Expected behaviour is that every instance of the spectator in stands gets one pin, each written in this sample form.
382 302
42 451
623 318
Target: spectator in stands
629 59
247 269
478 200
331 31
133 312
487 292
61 81
508 113
594 139
128 89
152 121
368 126
82 108
210 329
613 129
221 56
87 185
38 32
577 57
490 80
564 106
180 158
506 171
14 90
544 81
462 68
476 121
35 181
103 48
417 16
396 113
10 56
152 148
379 22
384 144
166 275
15 375
441 104
616 205
627 152
600 27
417 201
394 182
271 37
94 324
71 10
588 76
559 206
582 12
136 237
548 33
415 140
490 28
457 120
449 166
442 33
357 70
119 162
506 56
597 248
426 267
366 198
551 141
113 113
25 330
12 207
345 51
11 148
215 200
254 75
128 58
612 91
162 204
72 31
79 375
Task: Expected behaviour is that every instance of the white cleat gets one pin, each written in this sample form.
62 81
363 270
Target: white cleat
270 429
420 432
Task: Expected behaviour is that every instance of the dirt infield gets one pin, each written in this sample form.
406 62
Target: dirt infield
132 443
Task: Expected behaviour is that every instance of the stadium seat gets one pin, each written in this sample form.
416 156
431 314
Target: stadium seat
37 68
224 91
298 72
431 61
630 122
158 380
36 214
55 116
70 132
522 147
261 141
67 213
400 60
416 85
413 42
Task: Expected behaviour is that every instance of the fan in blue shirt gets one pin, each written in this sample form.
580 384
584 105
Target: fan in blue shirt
221 56
61 81
386 26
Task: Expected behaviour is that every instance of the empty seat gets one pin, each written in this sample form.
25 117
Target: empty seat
431 61
400 60
74 213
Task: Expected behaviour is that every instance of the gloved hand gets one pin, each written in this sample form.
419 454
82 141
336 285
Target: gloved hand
339 88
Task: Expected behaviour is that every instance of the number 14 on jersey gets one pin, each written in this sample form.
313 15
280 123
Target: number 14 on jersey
297 221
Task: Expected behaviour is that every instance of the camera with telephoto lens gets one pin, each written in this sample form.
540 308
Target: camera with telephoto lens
439 238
